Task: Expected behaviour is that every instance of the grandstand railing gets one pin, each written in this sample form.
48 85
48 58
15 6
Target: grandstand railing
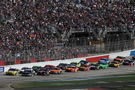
44 54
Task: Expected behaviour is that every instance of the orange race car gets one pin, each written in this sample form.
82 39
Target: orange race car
55 70
119 60
84 68
72 69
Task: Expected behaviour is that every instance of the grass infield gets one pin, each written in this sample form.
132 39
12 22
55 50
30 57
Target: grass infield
117 82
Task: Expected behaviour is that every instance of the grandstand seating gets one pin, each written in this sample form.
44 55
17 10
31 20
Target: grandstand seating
30 24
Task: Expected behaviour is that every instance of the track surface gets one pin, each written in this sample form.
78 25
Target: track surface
6 80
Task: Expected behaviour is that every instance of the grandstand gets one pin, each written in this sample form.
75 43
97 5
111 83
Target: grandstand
61 29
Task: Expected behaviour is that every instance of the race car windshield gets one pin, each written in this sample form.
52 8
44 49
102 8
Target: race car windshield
114 62
27 71
25 68
12 69
62 64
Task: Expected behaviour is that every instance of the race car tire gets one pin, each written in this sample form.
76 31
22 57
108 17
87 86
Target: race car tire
59 72
99 68
75 70
16 74
117 66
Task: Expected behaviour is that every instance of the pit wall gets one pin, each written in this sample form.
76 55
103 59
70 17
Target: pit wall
56 62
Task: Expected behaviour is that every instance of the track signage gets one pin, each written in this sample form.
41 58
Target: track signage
1 69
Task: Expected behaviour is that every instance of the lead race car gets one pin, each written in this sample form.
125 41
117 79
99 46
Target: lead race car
12 71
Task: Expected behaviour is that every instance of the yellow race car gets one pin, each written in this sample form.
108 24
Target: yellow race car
114 64
12 71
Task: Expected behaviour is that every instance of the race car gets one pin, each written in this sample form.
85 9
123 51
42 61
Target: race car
28 72
12 71
44 72
114 64
84 67
103 66
49 66
119 60
62 66
24 68
129 62
94 66
71 69
83 62
104 60
36 68
75 64
55 70
121 57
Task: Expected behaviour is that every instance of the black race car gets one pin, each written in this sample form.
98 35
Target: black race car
44 72
94 66
28 72
83 62
62 66
129 62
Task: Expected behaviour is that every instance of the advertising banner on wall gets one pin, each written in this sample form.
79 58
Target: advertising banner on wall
132 53
1 69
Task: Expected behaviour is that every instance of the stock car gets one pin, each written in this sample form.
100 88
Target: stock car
55 70
104 60
83 62
97 66
23 68
75 64
121 57
128 62
84 67
28 72
94 66
12 71
114 64
44 72
62 66
36 68
49 66
119 60
71 68
103 66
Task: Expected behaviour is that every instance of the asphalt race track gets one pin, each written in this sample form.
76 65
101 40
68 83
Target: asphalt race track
5 81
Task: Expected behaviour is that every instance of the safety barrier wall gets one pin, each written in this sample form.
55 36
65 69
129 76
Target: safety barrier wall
18 61
56 62
2 63
95 59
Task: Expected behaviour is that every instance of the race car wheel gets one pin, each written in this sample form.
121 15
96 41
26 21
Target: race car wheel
75 70
16 74
132 64
47 74
59 72
32 75
99 68
117 66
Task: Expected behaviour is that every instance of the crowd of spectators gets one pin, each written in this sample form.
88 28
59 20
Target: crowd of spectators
41 23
